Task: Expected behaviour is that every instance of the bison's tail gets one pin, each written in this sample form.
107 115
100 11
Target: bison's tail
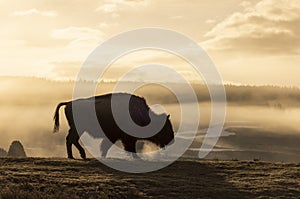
56 116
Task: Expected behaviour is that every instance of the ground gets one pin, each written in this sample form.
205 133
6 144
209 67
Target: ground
62 178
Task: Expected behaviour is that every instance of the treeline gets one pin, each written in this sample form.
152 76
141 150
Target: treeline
38 91
279 97
273 96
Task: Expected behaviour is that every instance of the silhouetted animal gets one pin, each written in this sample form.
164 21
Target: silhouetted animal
139 112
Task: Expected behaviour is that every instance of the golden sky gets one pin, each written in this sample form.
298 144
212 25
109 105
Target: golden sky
250 42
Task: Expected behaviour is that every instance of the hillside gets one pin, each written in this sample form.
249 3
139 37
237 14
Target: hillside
62 178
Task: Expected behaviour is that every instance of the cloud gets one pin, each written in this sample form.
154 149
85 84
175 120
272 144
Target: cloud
129 2
78 35
113 6
68 70
34 11
176 17
245 4
270 26
107 8
210 21
72 32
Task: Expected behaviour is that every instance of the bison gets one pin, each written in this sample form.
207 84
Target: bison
139 112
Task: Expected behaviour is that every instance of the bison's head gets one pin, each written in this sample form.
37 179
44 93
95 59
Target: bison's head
166 135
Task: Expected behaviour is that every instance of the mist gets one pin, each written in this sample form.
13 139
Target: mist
28 104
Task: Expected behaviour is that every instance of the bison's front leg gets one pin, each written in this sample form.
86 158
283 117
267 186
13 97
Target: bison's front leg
129 145
105 145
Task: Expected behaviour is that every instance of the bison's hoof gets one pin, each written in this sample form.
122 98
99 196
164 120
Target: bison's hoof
135 156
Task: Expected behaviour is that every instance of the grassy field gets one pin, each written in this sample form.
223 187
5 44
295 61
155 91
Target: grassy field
62 178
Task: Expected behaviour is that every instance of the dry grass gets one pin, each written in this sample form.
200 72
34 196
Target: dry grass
61 178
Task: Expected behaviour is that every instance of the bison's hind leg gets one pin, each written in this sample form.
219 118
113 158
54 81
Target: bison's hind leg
69 142
73 138
80 149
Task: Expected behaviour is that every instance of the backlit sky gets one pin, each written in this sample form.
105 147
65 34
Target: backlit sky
255 42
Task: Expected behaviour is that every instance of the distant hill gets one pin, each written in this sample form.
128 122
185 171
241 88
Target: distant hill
3 153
